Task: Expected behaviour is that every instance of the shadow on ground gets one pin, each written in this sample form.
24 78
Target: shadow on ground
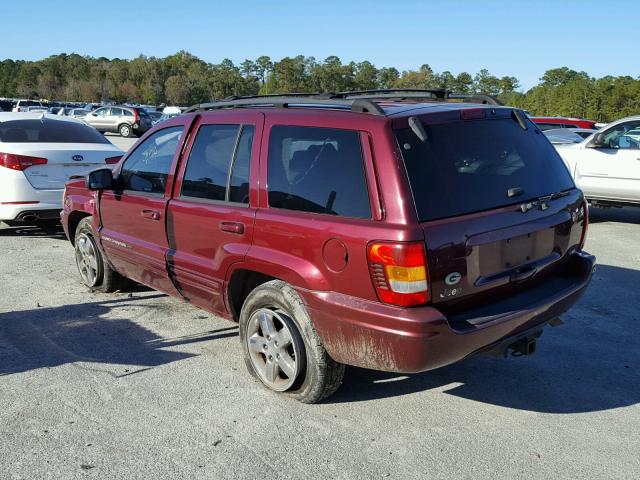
50 231
616 215
591 363
47 337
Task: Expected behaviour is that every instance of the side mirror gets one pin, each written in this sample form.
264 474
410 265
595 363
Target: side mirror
101 179
94 114
598 141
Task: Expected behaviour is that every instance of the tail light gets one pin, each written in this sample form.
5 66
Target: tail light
585 223
399 272
19 162
137 116
112 160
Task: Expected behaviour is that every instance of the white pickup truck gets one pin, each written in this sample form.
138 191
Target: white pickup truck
606 165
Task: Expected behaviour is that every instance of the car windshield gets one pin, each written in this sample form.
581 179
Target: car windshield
474 165
50 131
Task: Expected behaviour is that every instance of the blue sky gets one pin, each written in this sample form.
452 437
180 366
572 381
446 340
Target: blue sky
507 37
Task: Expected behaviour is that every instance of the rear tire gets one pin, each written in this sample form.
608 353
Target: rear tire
125 130
281 347
95 271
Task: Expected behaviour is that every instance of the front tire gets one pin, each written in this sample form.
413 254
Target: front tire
94 271
281 347
125 130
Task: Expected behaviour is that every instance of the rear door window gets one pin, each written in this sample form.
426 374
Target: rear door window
317 170
474 165
207 174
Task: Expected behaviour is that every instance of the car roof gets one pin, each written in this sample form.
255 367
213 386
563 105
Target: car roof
9 116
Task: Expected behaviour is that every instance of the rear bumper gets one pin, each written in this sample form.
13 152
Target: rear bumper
382 337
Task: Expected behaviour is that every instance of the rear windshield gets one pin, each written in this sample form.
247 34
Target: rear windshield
51 131
470 166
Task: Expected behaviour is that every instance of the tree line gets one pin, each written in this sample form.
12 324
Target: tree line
184 79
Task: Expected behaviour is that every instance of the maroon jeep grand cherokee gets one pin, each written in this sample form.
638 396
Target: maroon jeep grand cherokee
388 230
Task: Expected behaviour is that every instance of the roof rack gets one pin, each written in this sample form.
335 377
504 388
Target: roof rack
296 99
362 101
406 93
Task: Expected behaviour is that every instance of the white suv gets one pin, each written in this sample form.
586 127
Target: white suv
22 105
606 165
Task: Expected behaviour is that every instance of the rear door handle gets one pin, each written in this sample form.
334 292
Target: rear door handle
150 214
232 227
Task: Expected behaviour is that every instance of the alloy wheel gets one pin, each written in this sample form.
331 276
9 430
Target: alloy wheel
273 351
87 260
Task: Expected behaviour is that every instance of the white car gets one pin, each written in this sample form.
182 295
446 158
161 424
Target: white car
23 105
606 165
38 154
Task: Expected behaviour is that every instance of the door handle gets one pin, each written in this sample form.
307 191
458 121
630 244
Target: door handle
150 214
523 273
232 227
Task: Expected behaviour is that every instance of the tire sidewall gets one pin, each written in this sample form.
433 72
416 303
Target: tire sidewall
85 227
281 296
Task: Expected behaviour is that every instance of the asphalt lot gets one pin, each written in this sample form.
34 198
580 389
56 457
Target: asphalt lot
139 385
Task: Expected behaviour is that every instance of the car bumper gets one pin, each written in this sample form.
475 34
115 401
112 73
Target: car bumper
408 340
46 204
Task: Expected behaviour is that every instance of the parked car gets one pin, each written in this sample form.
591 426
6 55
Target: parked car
6 105
78 113
155 116
38 154
165 116
567 135
347 230
35 109
22 105
547 123
606 165
127 121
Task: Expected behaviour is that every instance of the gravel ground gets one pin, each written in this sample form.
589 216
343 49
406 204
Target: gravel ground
140 385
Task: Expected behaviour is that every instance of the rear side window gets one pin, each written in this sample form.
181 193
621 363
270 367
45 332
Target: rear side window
317 170
474 165
239 184
220 156
116 112
147 168
50 131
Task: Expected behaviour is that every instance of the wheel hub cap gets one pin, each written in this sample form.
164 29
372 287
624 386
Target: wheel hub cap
87 260
272 350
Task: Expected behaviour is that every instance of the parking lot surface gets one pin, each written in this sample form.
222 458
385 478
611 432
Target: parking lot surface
139 385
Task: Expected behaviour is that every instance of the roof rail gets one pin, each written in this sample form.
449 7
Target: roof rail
293 100
362 101
404 93
474 98
437 93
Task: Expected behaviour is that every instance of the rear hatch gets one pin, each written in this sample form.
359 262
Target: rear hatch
497 205
70 148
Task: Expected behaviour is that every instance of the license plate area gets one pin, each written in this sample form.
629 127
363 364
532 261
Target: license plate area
489 259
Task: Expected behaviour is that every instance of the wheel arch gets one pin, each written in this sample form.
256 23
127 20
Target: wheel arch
74 220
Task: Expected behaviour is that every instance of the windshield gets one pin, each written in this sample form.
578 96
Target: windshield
51 131
474 165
